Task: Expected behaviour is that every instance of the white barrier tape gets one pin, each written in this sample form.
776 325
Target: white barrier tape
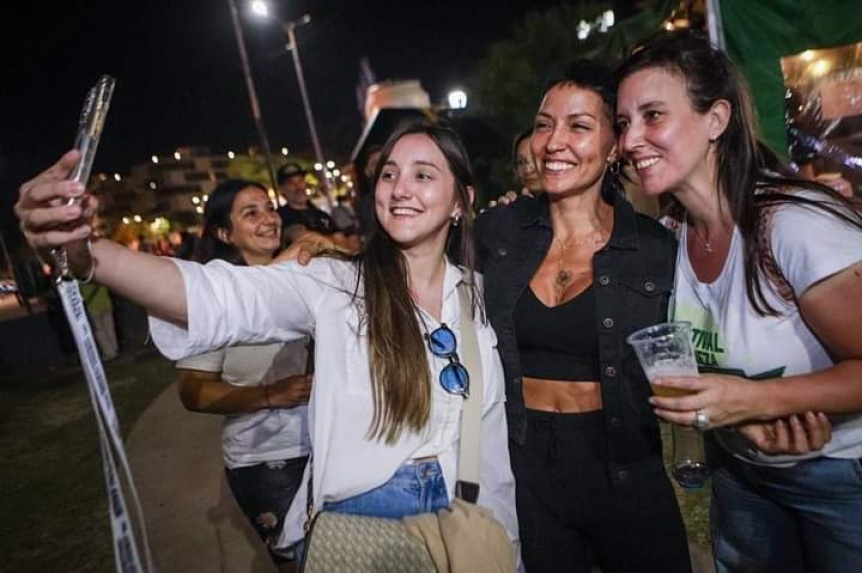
126 554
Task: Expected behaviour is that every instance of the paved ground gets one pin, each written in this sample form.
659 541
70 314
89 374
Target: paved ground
192 521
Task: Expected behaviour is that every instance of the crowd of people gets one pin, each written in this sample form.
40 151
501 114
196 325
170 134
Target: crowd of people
766 265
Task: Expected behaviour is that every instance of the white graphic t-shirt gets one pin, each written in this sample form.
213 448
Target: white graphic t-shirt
731 338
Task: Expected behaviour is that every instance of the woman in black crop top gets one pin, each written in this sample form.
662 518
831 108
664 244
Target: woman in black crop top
567 276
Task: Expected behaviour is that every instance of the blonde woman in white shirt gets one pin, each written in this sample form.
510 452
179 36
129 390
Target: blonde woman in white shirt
384 408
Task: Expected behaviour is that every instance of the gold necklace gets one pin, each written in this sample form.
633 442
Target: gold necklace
565 276
703 240
706 243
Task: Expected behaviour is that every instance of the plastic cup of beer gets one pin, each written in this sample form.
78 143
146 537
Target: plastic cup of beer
665 350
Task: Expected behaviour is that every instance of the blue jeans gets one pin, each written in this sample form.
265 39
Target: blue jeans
798 519
414 488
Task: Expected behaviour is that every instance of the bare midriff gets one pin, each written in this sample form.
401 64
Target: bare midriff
562 396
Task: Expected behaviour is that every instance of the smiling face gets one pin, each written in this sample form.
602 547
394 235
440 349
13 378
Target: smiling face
662 135
573 139
255 227
415 197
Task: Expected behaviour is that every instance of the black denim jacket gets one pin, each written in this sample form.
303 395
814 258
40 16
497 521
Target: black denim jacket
633 276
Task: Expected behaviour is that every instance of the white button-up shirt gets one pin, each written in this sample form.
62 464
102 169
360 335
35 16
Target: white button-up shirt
230 305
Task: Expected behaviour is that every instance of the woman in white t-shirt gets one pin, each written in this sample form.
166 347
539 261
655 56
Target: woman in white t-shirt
385 407
769 273
262 389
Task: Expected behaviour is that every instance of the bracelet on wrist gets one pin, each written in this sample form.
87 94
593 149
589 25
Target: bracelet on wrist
62 268
92 272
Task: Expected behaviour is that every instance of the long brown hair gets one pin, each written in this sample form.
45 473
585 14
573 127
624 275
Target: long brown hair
749 180
400 374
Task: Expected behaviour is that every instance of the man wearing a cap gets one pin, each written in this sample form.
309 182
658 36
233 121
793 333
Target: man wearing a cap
299 213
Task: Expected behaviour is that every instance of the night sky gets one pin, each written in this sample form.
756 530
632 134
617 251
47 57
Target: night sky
180 80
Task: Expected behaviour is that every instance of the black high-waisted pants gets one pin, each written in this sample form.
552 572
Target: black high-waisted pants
571 517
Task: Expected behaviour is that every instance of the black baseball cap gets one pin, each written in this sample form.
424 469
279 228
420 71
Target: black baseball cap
289 170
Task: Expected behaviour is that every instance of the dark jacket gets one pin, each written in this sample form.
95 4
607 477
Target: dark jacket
633 275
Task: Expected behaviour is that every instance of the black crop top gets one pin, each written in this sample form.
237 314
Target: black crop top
560 342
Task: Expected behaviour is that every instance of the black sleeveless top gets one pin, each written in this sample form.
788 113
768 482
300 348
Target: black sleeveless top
559 342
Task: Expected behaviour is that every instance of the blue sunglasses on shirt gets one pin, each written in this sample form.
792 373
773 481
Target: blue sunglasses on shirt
454 378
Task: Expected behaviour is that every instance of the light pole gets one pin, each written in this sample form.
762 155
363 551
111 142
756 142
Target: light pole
252 95
290 27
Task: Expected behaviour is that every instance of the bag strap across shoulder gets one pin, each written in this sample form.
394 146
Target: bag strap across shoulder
467 486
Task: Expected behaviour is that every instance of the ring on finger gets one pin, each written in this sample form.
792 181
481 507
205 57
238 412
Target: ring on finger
701 420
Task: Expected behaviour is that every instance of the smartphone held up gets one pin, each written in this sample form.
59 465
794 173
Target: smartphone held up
90 126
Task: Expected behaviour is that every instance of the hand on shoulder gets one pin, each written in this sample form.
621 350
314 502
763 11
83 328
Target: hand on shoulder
311 244
510 197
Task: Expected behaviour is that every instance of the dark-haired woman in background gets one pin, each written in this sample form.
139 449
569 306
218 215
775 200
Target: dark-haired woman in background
769 273
263 389
569 275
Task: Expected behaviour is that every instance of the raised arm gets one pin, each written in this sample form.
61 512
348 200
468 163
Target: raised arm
49 222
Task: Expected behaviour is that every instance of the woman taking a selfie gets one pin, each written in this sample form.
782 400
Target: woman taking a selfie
388 388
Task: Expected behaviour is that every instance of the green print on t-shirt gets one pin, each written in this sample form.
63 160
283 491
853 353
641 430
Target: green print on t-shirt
774 373
706 347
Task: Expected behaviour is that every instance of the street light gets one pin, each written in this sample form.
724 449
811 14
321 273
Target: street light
252 94
457 99
260 8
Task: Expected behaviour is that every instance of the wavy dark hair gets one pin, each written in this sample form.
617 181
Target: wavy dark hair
400 373
750 177
217 216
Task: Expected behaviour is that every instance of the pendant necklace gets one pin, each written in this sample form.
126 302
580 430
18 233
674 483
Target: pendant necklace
701 237
703 241
564 276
